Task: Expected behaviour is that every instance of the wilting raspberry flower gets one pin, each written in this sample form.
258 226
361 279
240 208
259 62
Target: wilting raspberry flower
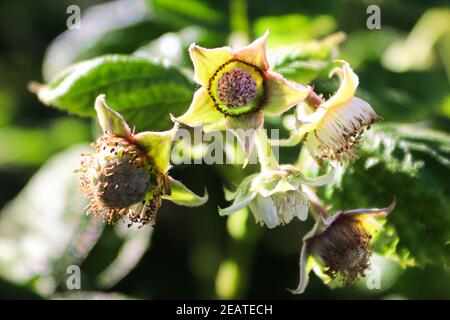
339 245
128 173
332 129
237 89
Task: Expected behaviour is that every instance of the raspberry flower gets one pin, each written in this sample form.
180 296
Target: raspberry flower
128 173
274 195
332 129
237 89
339 245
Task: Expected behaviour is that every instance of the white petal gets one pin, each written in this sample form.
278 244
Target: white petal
264 210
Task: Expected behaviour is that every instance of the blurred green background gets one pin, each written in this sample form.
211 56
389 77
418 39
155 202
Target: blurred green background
404 71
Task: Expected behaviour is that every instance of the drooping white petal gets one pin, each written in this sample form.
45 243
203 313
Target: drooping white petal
264 210
290 204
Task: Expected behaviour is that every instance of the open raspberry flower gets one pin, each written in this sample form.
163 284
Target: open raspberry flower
128 173
237 89
339 245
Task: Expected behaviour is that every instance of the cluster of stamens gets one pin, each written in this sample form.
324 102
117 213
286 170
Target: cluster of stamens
235 91
236 88
339 134
289 204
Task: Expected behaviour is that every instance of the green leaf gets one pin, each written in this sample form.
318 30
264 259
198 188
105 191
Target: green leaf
292 28
412 164
143 92
187 12
306 61
363 46
28 146
43 229
134 243
110 31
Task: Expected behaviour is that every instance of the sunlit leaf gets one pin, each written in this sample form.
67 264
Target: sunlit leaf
43 230
113 27
303 62
24 146
135 243
183 13
143 92
293 28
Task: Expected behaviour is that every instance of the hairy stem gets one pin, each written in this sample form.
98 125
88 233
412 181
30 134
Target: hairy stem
265 155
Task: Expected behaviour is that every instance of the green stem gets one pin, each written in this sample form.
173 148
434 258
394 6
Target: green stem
265 155
239 23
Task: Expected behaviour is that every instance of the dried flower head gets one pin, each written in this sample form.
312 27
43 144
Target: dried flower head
238 89
343 248
127 176
339 245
